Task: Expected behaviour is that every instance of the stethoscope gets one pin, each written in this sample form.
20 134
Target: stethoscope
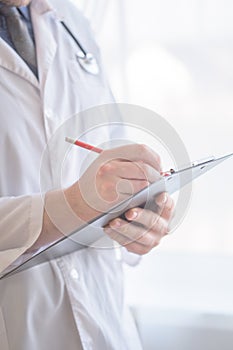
86 59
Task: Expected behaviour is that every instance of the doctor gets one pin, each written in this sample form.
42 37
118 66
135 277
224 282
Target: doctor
74 302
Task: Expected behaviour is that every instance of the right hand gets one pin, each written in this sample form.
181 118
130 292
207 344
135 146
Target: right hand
115 175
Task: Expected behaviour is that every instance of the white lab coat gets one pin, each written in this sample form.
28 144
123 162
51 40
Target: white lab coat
76 299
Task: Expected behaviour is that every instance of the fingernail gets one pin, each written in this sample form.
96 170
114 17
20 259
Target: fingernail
164 200
115 223
131 215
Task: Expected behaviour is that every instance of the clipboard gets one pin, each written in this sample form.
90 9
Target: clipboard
93 230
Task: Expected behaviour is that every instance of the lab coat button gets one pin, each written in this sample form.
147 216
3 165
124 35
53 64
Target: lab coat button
49 113
74 274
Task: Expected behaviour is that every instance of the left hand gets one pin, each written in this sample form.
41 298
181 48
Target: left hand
144 228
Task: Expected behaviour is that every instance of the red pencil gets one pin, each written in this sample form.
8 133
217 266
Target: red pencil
99 150
83 145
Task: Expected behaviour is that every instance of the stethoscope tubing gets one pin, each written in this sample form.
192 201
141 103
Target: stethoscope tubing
86 60
74 38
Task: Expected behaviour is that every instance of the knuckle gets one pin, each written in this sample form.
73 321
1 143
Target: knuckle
156 243
107 192
145 150
170 211
137 249
154 222
173 206
163 228
102 170
107 168
123 229
145 168
149 240
168 208
141 184
130 248
159 225
170 204
173 213
142 148
145 250
158 158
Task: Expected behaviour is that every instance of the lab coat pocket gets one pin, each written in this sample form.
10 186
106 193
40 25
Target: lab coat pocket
78 75
3 335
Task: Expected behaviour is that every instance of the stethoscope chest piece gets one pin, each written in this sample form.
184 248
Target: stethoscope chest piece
88 62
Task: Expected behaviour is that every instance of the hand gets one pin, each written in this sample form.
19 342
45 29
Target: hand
113 176
144 228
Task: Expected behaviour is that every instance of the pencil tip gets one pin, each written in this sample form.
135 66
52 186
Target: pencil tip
68 139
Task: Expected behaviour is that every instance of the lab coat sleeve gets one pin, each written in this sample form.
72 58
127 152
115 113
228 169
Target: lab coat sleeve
20 226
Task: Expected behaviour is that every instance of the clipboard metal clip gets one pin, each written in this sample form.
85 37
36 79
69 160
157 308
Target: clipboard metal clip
203 161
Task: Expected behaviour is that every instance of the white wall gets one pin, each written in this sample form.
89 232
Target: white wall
176 57
182 301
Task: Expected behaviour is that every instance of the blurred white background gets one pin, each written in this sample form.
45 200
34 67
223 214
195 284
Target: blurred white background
176 58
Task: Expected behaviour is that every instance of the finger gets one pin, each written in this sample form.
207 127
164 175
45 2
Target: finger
168 211
139 249
149 223
134 153
132 246
118 237
112 191
130 235
157 204
161 199
150 220
112 188
130 170
165 206
126 231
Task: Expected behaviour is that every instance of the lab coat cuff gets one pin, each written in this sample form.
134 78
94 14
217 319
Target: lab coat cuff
35 219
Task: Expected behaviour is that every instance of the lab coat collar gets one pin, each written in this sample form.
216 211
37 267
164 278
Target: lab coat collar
41 6
11 61
46 46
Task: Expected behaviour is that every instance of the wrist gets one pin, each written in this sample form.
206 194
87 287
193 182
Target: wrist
78 204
